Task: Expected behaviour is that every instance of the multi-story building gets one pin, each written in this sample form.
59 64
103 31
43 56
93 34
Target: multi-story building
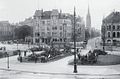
80 29
111 29
52 26
6 30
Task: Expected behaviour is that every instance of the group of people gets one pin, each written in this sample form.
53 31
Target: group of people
89 58
20 55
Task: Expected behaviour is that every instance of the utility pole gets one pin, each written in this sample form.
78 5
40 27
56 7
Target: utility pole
112 36
38 32
103 38
75 62
64 33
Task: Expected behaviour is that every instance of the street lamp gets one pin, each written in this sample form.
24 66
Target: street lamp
103 38
75 62
17 44
64 33
8 61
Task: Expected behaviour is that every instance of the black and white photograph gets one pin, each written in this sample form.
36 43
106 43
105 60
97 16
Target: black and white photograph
59 39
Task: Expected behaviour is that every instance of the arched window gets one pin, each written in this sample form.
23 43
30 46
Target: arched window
114 34
118 34
113 27
108 34
108 41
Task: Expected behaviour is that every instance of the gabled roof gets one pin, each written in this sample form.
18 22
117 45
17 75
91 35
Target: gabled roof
46 15
38 13
114 17
55 12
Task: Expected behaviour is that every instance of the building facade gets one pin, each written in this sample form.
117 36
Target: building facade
54 27
51 27
80 28
111 29
6 31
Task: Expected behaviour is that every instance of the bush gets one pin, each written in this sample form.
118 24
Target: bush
108 59
15 52
99 52
36 49
1 55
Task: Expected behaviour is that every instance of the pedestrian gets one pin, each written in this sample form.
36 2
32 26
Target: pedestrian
4 48
35 58
21 59
25 53
77 50
19 53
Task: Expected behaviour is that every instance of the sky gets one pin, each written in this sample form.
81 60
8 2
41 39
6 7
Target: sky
17 10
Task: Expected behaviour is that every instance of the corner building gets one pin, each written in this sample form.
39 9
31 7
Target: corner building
51 27
111 29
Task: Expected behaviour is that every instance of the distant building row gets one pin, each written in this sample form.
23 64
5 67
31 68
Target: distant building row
6 30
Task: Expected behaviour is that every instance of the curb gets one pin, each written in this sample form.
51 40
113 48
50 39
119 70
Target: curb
69 74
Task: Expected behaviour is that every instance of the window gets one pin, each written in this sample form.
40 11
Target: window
54 28
48 22
118 27
118 34
43 34
60 39
108 34
113 27
109 27
48 33
108 41
37 40
48 28
60 27
43 22
37 34
114 34
60 34
54 33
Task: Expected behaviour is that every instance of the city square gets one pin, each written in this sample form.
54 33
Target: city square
59 39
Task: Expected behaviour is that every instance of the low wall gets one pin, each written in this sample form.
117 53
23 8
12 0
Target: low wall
108 59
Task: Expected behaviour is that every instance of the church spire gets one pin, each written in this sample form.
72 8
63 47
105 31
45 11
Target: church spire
88 9
88 19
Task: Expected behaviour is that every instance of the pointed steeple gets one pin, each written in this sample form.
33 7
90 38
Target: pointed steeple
88 10
88 19
88 22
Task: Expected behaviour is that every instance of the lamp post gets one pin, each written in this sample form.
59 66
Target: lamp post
112 25
64 33
8 61
75 62
103 38
17 44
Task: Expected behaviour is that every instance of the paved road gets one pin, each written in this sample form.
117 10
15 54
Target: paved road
56 70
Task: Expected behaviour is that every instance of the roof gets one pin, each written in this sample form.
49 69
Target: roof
48 14
55 12
113 17
38 13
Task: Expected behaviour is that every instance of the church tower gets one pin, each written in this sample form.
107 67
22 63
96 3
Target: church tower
88 22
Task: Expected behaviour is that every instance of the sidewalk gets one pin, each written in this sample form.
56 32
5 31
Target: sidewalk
60 66
57 69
